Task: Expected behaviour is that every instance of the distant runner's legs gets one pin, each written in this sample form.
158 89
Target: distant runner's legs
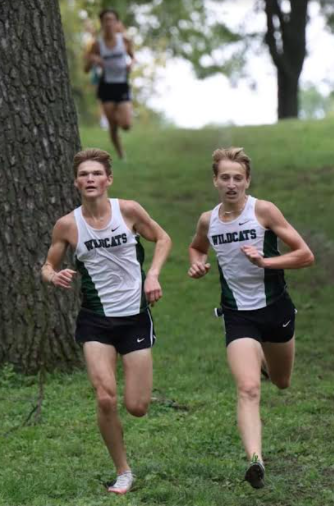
119 115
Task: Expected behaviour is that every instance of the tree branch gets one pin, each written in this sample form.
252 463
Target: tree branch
278 11
292 30
270 35
36 409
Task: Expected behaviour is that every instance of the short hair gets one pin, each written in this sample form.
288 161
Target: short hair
234 155
94 155
106 11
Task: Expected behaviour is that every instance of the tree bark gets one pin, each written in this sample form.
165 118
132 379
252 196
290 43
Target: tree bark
287 93
286 40
38 138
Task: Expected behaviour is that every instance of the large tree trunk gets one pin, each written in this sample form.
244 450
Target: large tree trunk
286 40
287 93
38 138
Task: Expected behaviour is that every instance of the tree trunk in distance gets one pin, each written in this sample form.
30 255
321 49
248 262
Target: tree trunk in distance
288 91
286 40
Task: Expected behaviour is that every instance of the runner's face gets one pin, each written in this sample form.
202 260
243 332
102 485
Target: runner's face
92 180
231 181
109 23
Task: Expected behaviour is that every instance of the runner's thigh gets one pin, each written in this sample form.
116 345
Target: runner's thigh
101 364
124 114
244 357
280 359
138 373
110 111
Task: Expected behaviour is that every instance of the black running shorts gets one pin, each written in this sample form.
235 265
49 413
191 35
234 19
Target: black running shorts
113 92
125 333
274 323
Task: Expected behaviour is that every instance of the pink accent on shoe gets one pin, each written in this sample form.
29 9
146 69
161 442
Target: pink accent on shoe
122 484
118 491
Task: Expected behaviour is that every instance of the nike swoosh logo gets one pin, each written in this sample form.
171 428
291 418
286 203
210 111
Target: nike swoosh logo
286 324
243 223
140 340
113 229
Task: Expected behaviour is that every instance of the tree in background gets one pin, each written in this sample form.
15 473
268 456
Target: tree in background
286 40
76 33
38 138
190 30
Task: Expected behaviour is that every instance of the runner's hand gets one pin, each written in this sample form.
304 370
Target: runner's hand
198 270
95 59
63 278
253 255
152 289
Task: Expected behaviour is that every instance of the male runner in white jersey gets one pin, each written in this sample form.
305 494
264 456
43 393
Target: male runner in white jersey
113 54
258 312
114 318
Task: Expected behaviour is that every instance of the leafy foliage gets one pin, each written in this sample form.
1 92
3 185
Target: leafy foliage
315 105
328 11
179 29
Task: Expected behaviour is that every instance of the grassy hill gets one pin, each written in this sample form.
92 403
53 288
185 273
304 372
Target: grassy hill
187 450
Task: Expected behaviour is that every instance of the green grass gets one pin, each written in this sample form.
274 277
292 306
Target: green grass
187 450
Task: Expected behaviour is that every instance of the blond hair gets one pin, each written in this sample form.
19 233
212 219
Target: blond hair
94 155
234 155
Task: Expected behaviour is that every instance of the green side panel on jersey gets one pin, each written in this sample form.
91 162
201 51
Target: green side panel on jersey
227 297
274 282
140 252
90 296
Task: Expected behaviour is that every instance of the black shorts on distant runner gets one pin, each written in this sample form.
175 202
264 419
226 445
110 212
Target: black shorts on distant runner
125 333
113 92
272 324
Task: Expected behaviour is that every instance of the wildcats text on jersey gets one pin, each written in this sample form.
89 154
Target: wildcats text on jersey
108 242
228 237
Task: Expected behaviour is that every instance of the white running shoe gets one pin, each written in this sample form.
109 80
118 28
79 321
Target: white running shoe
123 483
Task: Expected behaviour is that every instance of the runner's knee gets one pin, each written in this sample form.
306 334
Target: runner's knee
137 408
106 401
282 383
249 390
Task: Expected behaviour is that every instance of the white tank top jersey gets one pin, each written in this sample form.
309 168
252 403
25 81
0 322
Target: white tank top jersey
115 61
245 286
110 263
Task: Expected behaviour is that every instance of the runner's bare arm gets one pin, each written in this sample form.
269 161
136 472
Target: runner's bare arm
272 218
130 50
199 247
56 255
92 57
146 227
